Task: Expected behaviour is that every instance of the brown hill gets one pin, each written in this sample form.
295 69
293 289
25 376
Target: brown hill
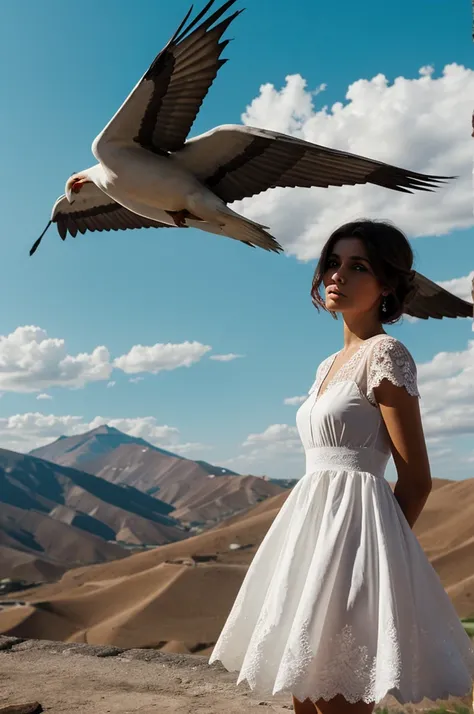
185 590
35 547
199 498
201 494
74 450
82 448
20 568
53 518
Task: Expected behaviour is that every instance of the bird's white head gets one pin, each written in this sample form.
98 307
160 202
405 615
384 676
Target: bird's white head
74 185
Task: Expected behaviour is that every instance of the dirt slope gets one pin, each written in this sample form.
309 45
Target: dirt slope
178 595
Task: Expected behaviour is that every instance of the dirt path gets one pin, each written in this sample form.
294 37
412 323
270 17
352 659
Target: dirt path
66 680
73 679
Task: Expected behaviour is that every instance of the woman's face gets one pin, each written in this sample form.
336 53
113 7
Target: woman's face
349 280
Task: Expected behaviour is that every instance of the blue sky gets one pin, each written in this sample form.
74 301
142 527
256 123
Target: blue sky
65 69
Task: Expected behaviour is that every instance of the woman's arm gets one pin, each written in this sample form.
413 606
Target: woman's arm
401 414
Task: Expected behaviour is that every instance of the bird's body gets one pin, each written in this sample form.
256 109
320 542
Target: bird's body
131 173
150 174
162 189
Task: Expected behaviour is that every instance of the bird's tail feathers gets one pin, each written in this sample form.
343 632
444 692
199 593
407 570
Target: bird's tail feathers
249 232
227 213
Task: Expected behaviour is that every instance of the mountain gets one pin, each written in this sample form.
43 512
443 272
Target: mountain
73 450
177 597
201 494
54 517
95 497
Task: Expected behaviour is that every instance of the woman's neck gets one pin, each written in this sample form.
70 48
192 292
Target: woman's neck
357 330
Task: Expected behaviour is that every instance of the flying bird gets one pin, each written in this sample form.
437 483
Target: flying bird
149 174
431 300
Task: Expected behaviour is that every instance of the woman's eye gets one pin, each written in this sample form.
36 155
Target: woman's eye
361 267
331 264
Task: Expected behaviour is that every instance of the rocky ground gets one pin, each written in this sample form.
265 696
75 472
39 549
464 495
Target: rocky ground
72 678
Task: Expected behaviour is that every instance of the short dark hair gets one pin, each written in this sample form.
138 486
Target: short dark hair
390 256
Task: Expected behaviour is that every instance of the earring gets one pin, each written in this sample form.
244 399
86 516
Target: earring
384 305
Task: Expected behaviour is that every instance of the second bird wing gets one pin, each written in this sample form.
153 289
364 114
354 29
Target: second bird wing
431 300
239 161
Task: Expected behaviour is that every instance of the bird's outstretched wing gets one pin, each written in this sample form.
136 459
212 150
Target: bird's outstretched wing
161 109
93 210
431 300
238 161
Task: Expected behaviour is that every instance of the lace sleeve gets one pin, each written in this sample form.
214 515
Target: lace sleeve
391 360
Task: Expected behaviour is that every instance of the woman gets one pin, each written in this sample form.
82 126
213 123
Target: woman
340 606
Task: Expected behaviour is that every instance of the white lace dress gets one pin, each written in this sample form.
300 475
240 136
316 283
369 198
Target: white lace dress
340 597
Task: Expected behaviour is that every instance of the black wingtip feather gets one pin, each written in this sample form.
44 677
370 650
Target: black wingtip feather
184 31
183 23
194 22
406 181
61 224
199 34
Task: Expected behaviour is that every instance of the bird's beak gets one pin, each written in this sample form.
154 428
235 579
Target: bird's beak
69 194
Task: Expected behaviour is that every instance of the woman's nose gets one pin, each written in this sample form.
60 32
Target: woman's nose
338 276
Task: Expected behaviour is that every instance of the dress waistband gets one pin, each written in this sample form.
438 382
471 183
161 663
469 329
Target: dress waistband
341 458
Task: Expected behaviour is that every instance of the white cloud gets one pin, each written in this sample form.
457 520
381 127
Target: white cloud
188 449
30 361
294 401
443 365
421 124
160 357
441 453
225 358
135 380
276 439
447 389
276 452
461 287
23 432
410 318
44 396
273 452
